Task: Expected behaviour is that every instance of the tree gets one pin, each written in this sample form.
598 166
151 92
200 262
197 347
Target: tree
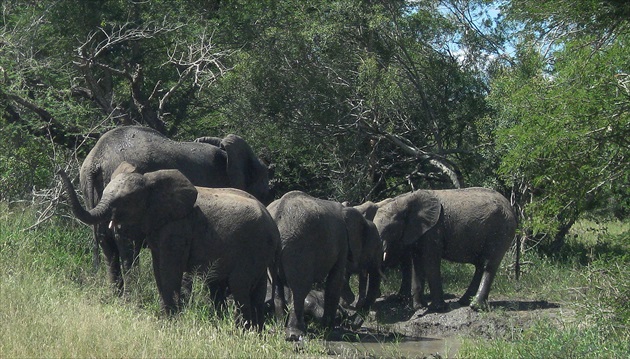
71 70
352 99
562 112
364 90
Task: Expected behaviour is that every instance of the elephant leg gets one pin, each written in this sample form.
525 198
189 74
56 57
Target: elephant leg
347 297
218 294
332 293
432 272
280 301
258 303
474 285
373 279
112 258
168 277
125 249
419 277
480 302
296 326
363 290
406 274
240 290
129 243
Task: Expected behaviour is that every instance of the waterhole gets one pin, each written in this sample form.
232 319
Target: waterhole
365 344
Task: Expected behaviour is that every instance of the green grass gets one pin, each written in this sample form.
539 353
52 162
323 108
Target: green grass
590 279
53 305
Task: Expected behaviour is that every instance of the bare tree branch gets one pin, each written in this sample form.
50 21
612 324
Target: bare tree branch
199 61
366 119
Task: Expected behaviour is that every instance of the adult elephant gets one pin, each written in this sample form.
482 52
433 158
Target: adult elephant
319 240
207 162
473 225
224 233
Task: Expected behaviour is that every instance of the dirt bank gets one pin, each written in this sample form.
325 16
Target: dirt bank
394 328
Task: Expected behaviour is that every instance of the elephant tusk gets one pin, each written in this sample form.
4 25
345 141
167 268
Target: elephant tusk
111 225
384 256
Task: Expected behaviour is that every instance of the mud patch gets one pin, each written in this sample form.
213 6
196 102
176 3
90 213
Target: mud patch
395 329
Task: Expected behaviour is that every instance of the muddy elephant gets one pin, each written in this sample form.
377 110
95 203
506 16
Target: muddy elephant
473 225
207 162
398 257
223 233
372 253
319 240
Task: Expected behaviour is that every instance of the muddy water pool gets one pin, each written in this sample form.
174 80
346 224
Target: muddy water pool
369 345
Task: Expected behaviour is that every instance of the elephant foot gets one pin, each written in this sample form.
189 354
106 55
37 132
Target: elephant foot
294 335
420 305
479 306
438 307
419 302
355 321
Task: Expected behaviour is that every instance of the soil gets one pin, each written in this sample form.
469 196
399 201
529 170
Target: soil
395 329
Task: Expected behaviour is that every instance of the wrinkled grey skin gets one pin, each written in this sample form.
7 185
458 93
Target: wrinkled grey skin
208 162
224 233
369 264
473 225
319 239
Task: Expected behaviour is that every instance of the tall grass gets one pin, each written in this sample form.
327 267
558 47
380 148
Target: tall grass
52 305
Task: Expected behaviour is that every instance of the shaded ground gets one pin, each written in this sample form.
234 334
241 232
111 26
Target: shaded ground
395 329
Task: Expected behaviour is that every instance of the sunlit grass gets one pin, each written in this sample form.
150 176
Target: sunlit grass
53 305
590 281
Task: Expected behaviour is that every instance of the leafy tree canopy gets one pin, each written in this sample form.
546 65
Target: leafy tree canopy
562 111
346 99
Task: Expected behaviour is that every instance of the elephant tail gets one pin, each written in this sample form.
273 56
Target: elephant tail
278 295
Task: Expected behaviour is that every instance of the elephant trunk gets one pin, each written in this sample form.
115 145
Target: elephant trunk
98 214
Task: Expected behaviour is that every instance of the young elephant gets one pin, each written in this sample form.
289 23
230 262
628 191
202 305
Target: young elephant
319 239
473 225
370 263
224 233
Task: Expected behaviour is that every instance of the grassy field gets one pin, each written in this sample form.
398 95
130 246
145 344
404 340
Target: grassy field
590 280
53 305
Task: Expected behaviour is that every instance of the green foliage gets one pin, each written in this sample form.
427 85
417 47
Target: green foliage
25 165
562 124
349 100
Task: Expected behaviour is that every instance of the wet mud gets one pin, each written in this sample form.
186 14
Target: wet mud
395 330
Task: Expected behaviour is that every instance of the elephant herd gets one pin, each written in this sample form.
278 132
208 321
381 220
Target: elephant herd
204 207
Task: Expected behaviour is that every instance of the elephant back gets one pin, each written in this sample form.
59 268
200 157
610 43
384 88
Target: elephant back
308 225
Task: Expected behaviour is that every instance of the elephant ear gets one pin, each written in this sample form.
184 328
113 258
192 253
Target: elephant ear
423 213
124 167
356 227
172 196
244 169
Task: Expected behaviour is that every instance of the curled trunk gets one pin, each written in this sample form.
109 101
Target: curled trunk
98 214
